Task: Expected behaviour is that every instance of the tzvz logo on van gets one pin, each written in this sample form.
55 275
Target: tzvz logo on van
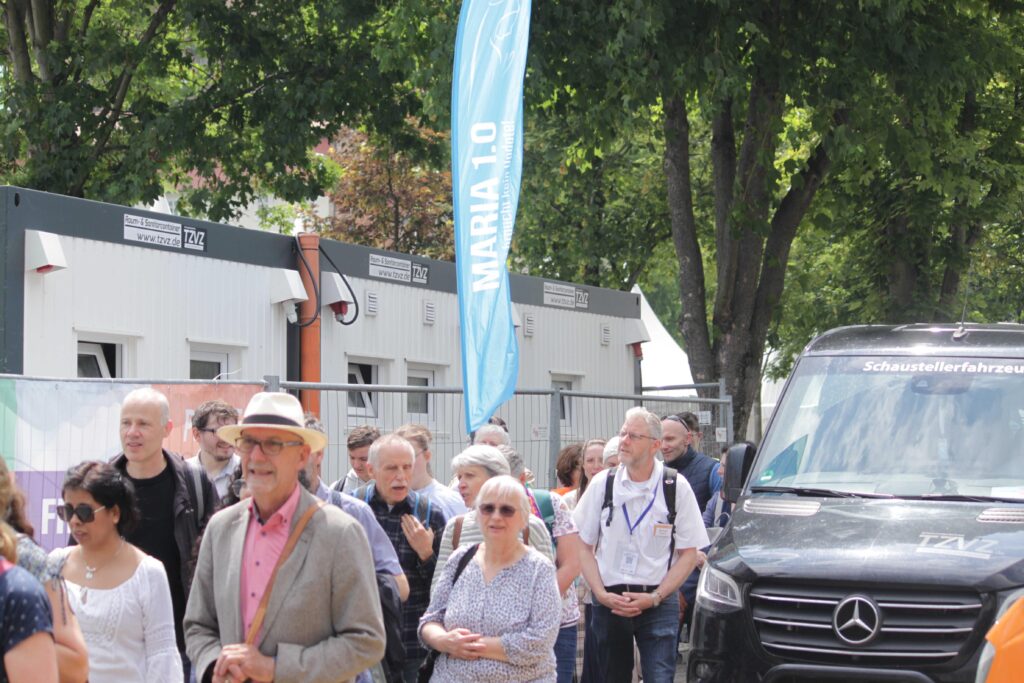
420 273
955 544
193 238
582 298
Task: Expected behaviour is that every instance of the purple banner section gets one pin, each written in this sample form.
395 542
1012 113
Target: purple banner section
42 489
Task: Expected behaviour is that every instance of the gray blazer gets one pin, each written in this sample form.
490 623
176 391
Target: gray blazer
323 621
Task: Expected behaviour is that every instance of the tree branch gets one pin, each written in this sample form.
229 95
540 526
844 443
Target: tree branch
693 322
110 114
723 165
18 41
784 225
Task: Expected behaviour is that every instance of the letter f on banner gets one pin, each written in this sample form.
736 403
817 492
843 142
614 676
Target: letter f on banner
487 164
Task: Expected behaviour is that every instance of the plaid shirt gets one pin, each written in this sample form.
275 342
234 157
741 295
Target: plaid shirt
419 573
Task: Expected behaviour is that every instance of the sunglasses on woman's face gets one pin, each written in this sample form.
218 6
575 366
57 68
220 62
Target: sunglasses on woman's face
84 513
503 510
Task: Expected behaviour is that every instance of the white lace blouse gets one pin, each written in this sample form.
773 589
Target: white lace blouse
129 630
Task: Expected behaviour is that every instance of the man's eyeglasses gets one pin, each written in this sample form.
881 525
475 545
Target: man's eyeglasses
271 446
632 436
503 510
84 513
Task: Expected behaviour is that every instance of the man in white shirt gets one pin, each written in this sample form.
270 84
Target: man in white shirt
358 445
447 501
215 455
637 554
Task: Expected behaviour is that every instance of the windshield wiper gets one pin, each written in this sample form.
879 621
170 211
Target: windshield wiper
817 493
959 497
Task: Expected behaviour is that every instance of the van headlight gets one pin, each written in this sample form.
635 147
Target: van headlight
717 591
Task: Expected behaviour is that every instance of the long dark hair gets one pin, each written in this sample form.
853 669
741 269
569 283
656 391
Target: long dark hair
109 487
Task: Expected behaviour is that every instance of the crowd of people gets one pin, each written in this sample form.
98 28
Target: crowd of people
239 563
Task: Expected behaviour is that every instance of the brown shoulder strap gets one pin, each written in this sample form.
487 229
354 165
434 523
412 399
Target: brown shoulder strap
261 611
457 531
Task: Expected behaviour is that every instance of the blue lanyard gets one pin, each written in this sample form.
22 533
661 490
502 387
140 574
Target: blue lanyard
625 512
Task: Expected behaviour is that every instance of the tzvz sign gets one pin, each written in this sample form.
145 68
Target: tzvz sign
193 238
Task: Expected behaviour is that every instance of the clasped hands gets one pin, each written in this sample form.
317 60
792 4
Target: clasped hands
240 662
460 643
627 604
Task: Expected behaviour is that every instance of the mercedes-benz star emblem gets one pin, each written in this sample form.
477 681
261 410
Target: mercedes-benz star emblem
857 620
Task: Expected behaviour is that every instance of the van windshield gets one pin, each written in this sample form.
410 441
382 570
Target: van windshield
901 426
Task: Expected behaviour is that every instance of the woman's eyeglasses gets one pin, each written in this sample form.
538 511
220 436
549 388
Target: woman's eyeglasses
84 513
503 510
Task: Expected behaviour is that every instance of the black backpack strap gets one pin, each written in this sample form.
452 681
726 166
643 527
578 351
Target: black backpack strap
197 483
668 485
609 484
194 489
464 562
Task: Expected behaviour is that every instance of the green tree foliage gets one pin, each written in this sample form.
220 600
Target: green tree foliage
925 212
116 101
389 198
762 109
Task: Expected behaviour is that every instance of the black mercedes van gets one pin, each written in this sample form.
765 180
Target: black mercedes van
879 526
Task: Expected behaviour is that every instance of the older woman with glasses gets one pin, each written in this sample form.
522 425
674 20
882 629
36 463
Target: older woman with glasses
496 610
473 468
120 594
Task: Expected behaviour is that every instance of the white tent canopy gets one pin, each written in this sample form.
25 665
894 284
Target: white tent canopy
664 363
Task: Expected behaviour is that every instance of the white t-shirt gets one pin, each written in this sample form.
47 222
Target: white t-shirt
448 502
640 557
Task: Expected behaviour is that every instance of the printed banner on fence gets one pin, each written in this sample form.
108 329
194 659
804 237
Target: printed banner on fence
487 163
47 426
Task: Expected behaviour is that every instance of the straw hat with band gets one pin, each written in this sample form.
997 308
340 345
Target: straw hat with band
275 410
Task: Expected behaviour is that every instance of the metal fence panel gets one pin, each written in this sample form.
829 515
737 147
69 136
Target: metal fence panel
48 424
535 431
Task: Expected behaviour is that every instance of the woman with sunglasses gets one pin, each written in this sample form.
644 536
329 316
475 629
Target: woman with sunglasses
498 619
120 594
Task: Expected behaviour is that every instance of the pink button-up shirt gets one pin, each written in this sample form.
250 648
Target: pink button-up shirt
263 545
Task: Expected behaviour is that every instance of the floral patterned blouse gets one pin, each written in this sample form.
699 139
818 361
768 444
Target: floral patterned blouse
520 605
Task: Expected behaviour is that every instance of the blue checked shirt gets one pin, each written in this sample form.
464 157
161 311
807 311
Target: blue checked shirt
419 573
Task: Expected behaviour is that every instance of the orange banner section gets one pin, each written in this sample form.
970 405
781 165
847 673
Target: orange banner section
185 398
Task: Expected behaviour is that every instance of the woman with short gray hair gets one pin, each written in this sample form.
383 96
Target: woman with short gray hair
495 612
473 467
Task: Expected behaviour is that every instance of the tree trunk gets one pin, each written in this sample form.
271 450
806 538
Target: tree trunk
693 322
754 254
961 240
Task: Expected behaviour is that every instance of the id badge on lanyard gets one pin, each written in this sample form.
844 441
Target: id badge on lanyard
629 559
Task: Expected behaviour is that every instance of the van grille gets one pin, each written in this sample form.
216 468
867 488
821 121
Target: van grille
915 627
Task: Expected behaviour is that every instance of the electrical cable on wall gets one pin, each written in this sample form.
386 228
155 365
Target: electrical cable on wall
355 301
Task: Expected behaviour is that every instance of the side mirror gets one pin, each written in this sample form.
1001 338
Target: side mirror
737 468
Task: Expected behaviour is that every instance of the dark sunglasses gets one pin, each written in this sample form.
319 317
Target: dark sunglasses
503 510
84 513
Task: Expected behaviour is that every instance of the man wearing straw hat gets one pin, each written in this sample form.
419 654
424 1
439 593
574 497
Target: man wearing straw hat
284 589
